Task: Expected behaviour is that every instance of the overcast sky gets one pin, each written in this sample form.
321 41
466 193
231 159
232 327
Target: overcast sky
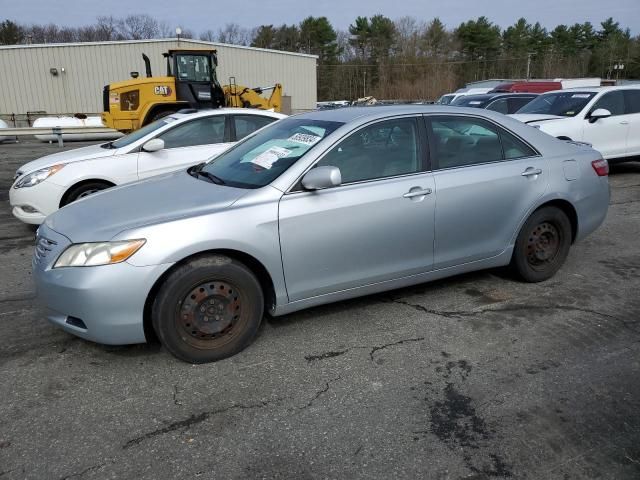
200 15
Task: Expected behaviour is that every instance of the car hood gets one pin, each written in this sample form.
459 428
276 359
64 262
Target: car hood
75 155
163 198
535 117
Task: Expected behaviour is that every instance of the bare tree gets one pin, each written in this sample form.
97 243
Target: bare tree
234 34
208 36
138 27
107 28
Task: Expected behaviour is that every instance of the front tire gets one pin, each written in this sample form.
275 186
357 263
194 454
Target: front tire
208 309
542 245
83 190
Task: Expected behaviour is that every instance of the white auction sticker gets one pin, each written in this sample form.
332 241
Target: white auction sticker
267 158
304 138
580 95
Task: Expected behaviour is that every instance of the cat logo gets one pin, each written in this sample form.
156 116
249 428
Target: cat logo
163 90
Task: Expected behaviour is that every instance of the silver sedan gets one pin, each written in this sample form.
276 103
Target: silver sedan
313 209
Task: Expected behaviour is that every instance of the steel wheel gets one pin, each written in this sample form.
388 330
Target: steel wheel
543 245
209 314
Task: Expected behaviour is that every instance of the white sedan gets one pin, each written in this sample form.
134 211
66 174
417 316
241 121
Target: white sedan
43 186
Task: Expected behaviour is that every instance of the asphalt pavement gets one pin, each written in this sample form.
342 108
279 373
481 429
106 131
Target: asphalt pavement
474 377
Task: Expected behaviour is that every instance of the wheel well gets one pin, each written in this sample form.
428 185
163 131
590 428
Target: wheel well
64 198
256 267
569 211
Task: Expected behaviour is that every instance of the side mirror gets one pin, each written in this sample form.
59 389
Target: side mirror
153 145
599 113
322 177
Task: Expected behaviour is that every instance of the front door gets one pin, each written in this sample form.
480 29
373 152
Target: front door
486 181
376 226
608 135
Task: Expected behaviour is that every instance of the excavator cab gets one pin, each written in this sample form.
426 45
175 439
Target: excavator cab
196 82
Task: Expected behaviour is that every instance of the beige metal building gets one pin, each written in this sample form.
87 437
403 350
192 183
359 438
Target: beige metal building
68 78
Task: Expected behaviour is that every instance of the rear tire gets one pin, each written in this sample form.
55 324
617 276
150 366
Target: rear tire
208 309
83 190
542 245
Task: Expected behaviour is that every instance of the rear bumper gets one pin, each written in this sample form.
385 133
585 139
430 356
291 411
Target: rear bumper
108 300
592 209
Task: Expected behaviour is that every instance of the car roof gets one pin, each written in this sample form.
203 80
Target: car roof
597 89
374 112
225 111
490 96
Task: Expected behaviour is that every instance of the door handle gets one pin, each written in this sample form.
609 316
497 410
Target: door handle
624 122
529 172
417 193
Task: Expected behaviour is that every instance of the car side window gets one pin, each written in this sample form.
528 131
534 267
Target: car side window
461 141
514 148
383 149
632 101
612 101
246 124
201 131
499 106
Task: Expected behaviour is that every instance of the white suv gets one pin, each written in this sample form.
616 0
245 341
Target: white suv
606 117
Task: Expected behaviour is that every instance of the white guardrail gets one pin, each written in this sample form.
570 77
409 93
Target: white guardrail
58 132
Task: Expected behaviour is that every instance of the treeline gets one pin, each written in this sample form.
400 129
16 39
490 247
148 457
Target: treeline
404 58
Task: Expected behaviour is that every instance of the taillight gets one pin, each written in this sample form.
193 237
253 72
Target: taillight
601 167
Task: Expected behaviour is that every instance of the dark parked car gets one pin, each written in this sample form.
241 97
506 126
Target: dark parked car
505 103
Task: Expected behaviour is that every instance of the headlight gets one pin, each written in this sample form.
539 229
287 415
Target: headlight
99 253
38 176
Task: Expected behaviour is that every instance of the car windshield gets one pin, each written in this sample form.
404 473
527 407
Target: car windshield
562 104
263 157
138 134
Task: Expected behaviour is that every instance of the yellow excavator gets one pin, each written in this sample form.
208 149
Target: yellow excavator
191 83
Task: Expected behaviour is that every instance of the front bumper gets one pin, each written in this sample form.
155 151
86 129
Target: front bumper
44 198
108 300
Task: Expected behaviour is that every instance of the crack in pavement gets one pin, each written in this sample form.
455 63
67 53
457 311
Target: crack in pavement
387 345
322 356
320 392
194 419
512 308
175 396
86 470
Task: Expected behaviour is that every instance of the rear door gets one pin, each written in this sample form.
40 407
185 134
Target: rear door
376 226
608 135
632 102
487 180
244 125
188 143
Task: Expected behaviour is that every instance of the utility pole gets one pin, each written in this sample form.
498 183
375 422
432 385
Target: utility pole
529 65
364 90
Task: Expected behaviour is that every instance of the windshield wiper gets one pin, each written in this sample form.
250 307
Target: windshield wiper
196 171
